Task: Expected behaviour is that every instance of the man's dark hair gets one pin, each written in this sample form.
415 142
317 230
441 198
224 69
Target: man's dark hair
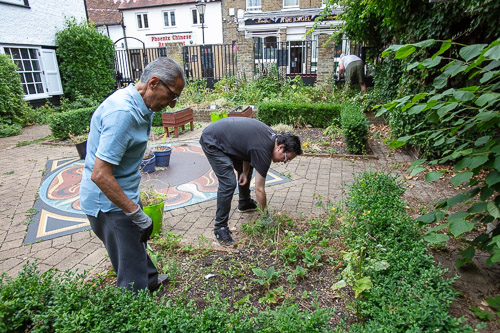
291 142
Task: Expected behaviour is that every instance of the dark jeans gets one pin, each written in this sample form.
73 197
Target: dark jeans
128 255
224 166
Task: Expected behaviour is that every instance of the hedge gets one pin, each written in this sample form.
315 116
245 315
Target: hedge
316 115
73 122
355 128
410 294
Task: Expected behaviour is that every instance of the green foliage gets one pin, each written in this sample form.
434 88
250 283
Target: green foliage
86 61
73 122
465 123
52 302
13 107
316 115
399 287
195 92
378 23
354 127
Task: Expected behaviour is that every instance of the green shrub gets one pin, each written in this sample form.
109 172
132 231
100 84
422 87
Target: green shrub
51 302
460 118
355 128
73 122
86 61
409 293
12 105
316 115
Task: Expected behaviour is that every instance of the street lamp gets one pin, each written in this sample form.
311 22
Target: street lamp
200 7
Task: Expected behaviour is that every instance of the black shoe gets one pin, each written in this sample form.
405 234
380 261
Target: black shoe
223 235
162 281
249 207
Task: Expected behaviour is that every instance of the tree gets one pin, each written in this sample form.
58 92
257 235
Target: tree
87 61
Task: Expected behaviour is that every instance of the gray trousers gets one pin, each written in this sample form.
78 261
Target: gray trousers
224 166
128 255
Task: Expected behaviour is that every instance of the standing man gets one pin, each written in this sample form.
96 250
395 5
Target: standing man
243 144
354 71
109 192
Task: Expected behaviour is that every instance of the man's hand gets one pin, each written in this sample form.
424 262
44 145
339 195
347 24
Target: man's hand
243 179
143 221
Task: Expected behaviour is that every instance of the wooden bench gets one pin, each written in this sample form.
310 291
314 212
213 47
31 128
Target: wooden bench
176 120
247 112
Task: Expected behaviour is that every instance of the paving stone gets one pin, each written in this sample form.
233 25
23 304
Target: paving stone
59 256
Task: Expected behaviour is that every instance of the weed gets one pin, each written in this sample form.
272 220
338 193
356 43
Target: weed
8 173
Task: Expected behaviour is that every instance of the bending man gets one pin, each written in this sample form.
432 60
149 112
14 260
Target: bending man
243 144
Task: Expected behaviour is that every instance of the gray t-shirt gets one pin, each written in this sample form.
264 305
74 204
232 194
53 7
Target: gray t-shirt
244 139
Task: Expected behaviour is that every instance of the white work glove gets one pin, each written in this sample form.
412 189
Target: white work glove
143 221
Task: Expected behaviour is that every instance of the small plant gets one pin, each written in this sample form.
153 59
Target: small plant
266 278
150 197
274 296
311 259
282 128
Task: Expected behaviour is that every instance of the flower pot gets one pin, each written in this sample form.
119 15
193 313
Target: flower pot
214 116
163 156
81 148
155 212
148 164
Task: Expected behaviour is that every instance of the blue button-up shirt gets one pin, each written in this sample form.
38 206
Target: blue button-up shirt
119 133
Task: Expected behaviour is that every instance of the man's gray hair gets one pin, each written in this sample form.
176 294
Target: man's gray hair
165 68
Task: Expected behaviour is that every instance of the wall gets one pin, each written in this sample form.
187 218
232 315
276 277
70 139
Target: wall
38 24
183 18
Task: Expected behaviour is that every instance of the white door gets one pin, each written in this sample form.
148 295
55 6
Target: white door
51 70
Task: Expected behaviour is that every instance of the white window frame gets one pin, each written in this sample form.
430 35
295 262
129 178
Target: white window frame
254 8
169 16
143 23
40 85
22 3
198 17
290 6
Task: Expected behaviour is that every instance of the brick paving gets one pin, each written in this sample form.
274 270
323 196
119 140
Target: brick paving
22 169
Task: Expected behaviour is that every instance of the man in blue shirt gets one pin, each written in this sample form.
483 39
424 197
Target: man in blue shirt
109 192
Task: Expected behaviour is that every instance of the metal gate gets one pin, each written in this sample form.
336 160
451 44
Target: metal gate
291 58
210 62
129 64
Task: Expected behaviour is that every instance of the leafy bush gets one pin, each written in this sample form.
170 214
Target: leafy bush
316 115
355 128
73 122
87 61
12 105
465 124
404 291
51 302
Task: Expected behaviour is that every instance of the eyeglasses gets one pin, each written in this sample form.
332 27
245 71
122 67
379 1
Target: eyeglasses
176 97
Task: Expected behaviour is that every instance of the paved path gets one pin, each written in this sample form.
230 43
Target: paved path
21 174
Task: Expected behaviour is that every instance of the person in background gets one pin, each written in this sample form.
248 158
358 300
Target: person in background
109 192
243 144
354 71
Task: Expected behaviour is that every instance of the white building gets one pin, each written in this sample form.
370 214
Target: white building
160 22
27 34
